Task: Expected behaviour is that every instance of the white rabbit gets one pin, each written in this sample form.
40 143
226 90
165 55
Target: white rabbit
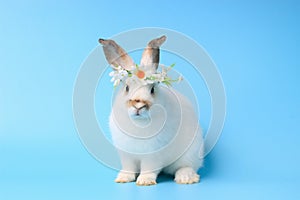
154 127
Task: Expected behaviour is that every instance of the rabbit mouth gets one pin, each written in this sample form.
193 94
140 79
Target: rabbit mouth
138 113
138 116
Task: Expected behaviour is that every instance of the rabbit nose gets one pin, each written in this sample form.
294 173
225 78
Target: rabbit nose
138 104
140 107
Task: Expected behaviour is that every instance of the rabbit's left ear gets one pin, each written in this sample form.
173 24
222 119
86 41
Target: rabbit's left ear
150 57
115 55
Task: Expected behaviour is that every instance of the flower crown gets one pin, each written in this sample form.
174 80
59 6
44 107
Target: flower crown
143 76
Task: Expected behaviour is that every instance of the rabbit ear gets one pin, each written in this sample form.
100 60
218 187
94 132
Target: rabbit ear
115 55
150 57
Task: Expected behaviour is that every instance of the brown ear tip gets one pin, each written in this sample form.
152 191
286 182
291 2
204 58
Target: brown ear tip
163 37
101 40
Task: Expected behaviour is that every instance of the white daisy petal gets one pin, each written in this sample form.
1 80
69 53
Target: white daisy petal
180 78
112 73
117 82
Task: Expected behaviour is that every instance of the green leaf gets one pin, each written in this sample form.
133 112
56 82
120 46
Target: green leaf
167 83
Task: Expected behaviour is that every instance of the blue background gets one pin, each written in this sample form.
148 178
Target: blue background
254 44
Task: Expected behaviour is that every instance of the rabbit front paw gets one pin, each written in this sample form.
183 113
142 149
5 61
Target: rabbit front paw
186 175
146 179
125 177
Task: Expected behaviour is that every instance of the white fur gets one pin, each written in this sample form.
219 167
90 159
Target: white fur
132 148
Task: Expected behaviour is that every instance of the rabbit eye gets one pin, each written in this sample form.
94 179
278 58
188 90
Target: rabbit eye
127 88
152 90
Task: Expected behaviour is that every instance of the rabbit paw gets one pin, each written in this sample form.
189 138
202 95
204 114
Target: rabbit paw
146 179
124 177
186 175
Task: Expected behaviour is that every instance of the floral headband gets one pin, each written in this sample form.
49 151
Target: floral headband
143 76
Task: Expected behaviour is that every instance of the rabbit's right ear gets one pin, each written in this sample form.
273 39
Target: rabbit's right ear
150 57
115 55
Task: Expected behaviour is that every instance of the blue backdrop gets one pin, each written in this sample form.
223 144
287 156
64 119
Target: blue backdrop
254 44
